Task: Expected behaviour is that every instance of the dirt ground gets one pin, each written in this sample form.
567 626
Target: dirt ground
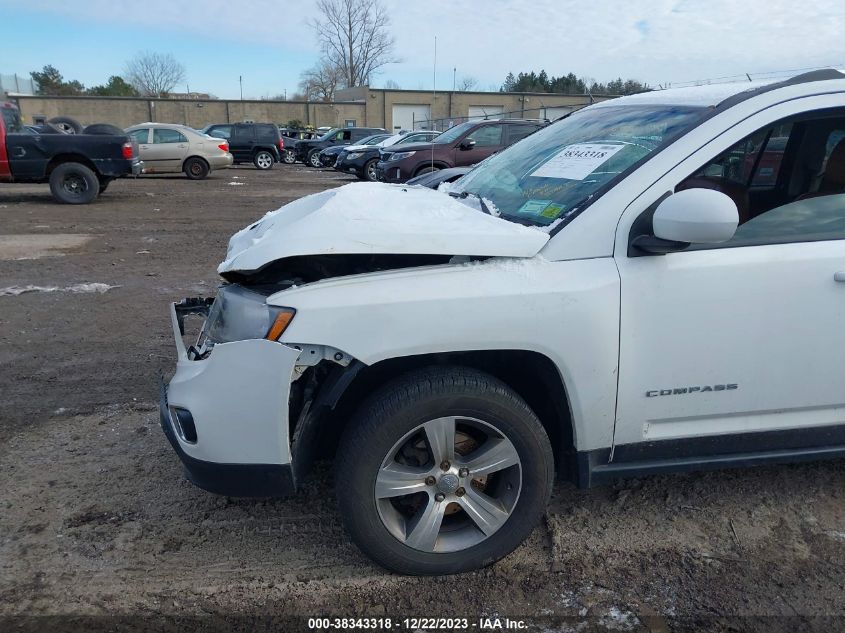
97 520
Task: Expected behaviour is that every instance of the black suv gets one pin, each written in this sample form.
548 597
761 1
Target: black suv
308 152
258 143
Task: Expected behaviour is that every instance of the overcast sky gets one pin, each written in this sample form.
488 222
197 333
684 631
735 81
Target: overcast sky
269 43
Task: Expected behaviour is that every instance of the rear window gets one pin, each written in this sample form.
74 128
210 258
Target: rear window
12 120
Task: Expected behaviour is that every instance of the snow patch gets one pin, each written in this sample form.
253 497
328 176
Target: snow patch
89 288
234 183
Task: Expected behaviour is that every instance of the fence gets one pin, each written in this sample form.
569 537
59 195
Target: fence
543 113
17 84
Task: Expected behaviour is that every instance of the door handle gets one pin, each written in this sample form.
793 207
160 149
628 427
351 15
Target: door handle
839 276
18 152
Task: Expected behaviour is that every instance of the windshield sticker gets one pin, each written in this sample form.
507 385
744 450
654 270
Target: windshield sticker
541 209
534 207
576 162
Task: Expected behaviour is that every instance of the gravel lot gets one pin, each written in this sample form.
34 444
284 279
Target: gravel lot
96 518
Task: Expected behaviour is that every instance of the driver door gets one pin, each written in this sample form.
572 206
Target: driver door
488 140
737 348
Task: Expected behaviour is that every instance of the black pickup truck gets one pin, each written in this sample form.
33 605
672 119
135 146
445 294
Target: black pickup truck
78 167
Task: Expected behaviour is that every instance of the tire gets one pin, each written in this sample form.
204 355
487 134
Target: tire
388 435
370 170
68 125
104 183
263 160
103 128
196 168
426 170
288 157
74 183
313 158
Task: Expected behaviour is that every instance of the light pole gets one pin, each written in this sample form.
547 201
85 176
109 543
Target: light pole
241 81
454 76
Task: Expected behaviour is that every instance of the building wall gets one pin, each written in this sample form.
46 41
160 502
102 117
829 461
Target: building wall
365 106
124 112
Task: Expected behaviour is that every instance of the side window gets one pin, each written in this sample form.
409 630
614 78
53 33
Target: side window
343 135
242 132
221 131
163 135
487 136
142 136
519 132
787 180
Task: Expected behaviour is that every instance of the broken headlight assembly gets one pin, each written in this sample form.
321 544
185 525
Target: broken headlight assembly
240 314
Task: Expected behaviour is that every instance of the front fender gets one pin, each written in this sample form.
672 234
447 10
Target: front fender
567 311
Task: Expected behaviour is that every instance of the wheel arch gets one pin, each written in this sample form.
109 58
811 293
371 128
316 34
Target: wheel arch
60 159
203 159
437 163
340 391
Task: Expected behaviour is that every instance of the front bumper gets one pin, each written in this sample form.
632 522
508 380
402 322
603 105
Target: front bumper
237 402
390 172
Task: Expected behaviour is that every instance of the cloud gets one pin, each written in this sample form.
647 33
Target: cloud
652 40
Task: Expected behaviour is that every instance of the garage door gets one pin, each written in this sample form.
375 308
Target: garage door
411 117
491 112
550 113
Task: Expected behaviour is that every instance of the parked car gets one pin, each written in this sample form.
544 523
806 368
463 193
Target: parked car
464 144
258 143
603 299
434 179
171 148
308 152
291 137
362 160
79 167
329 156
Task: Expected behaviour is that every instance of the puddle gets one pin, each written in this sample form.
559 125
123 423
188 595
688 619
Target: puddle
91 288
38 245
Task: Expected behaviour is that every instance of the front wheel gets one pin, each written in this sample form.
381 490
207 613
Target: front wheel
314 158
371 171
74 183
263 160
443 471
289 157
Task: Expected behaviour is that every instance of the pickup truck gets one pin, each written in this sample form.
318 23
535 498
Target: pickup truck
621 293
78 167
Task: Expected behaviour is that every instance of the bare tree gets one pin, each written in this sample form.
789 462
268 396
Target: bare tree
467 83
355 38
320 82
392 85
154 74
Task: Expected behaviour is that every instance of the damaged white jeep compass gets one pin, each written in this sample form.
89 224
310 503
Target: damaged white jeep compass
651 284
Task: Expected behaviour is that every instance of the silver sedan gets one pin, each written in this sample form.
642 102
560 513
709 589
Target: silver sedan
171 148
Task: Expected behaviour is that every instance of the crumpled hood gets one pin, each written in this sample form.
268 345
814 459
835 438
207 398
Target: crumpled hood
377 218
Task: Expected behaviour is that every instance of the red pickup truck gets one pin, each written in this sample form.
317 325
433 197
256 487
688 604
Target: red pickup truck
78 167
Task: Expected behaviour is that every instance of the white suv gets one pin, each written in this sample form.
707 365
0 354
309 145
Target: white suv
652 284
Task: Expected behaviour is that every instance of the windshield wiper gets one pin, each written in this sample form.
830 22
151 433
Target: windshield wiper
463 195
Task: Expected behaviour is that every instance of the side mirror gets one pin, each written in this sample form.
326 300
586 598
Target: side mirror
691 216
466 144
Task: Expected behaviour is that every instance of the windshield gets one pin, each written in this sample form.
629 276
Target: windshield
329 134
453 133
549 175
372 140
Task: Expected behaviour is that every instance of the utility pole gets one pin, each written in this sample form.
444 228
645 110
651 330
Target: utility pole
454 77
241 81
286 94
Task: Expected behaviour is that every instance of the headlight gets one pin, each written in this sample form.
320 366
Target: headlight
238 314
401 155
354 155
